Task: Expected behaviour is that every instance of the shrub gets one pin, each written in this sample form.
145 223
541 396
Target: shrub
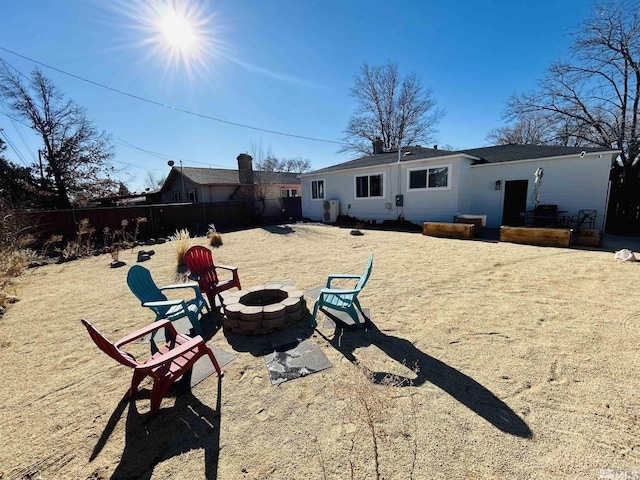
83 244
183 242
14 254
215 240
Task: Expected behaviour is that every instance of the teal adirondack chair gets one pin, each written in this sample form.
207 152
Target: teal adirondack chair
343 300
151 296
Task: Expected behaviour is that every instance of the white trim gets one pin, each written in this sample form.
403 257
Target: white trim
427 168
369 197
324 190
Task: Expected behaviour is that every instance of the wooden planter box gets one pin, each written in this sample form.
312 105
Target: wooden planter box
448 230
476 222
589 238
551 237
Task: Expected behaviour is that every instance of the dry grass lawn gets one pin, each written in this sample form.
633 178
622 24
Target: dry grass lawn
487 360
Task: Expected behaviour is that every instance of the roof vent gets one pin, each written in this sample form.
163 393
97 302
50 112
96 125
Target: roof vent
435 147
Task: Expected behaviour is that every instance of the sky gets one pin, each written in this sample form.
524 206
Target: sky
274 76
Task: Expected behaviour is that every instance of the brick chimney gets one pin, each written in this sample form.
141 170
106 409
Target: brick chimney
378 145
245 169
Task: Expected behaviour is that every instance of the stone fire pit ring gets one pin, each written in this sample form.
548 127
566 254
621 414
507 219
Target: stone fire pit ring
263 309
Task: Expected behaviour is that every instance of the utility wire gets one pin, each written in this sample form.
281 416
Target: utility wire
165 157
159 104
13 147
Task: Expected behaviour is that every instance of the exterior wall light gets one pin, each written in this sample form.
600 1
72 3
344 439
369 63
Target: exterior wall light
498 184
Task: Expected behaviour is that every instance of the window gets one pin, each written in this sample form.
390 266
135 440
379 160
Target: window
432 177
191 196
175 196
317 189
288 192
370 186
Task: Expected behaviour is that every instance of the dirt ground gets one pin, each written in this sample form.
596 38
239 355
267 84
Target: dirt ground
483 360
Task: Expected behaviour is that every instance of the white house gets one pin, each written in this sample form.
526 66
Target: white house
428 184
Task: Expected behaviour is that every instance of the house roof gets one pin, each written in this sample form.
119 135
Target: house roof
212 176
494 154
513 152
407 153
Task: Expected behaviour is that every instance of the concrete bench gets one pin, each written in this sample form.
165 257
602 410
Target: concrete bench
448 230
551 237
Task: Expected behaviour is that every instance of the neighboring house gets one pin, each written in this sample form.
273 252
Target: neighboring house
207 185
131 199
428 184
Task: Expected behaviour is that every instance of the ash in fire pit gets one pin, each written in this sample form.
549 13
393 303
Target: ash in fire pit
263 297
261 310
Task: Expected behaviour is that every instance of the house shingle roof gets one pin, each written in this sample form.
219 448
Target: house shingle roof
494 154
407 153
513 152
212 176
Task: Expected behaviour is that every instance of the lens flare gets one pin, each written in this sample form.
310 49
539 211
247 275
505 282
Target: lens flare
179 35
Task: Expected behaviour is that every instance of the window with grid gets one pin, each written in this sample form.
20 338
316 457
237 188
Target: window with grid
426 178
368 186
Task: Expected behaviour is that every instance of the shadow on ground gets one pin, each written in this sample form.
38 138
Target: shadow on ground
259 345
188 425
429 369
279 229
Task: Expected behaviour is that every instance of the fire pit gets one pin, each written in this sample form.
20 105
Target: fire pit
263 309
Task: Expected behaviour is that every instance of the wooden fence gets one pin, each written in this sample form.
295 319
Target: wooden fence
162 220
623 214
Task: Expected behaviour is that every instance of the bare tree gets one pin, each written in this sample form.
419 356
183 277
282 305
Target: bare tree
152 182
75 154
593 99
266 167
399 112
531 129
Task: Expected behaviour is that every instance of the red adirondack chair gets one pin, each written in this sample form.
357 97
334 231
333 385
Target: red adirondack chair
199 261
165 367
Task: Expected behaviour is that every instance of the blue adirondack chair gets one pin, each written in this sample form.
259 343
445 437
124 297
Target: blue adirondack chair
343 300
151 296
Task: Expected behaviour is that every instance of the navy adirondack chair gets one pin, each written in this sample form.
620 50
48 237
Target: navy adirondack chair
151 296
343 300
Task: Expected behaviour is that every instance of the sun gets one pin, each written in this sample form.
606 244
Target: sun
182 36
179 31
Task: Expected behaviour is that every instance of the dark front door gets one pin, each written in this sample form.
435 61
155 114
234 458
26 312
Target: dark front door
515 202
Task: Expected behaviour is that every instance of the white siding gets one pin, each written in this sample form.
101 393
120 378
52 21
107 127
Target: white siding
430 204
572 183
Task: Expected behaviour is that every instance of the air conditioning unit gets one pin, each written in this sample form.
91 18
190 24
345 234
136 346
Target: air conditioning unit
330 211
